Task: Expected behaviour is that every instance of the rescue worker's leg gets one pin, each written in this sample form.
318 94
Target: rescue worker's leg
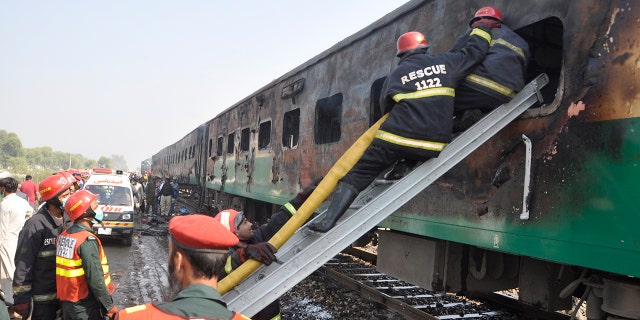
471 105
342 198
400 169
374 160
45 310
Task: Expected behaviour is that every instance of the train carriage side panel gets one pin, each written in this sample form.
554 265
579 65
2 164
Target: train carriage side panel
584 175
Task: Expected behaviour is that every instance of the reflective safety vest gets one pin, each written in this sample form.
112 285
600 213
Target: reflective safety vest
150 312
71 281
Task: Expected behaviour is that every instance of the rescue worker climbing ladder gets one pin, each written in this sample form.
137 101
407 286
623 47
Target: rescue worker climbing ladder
406 44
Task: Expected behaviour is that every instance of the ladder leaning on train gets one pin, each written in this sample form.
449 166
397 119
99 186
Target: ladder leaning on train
307 250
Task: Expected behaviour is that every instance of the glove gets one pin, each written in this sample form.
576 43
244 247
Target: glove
262 252
306 192
489 23
23 309
112 312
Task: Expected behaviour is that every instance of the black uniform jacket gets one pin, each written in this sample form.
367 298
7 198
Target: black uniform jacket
419 96
501 73
35 275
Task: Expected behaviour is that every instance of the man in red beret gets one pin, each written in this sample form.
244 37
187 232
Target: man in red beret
253 243
198 250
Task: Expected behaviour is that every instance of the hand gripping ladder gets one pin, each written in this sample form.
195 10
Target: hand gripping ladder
307 250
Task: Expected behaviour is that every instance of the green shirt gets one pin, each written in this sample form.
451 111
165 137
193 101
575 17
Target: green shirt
197 300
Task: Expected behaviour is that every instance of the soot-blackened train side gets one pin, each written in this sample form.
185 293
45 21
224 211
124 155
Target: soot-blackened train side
466 232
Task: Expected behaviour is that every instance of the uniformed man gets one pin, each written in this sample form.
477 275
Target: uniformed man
35 277
198 250
253 243
82 273
499 76
418 95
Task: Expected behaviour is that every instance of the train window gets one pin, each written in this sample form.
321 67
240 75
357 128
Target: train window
210 147
244 139
328 119
545 44
193 152
220 146
375 111
291 128
230 141
264 135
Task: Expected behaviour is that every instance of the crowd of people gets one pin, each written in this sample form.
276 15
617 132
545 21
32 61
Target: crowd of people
155 197
52 266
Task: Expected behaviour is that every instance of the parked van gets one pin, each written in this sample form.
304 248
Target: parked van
115 199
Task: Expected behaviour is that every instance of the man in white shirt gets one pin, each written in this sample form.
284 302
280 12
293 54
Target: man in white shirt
14 211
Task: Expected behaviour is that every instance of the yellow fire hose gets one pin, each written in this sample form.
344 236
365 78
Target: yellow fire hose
322 191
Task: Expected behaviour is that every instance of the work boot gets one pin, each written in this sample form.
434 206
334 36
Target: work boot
342 198
400 169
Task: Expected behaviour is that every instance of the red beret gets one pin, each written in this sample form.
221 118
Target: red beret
201 233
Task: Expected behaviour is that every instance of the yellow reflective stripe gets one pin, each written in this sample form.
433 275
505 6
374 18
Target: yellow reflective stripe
21 289
228 267
105 268
443 91
482 34
408 142
488 83
104 259
509 45
290 208
70 273
68 262
44 297
46 253
107 280
135 308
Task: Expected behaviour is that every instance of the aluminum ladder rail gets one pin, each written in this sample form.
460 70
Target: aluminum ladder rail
306 250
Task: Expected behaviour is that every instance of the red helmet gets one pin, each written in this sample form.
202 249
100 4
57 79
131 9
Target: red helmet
411 40
69 176
230 219
487 12
79 203
53 185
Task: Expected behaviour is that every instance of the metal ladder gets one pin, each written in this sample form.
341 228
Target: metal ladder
307 250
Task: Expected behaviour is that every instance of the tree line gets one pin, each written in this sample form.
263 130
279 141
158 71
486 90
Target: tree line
42 161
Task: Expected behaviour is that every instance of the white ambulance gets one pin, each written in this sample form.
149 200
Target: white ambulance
115 199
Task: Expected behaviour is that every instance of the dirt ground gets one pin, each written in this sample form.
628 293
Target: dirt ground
140 271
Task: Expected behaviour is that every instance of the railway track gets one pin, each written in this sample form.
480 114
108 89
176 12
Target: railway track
410 301
355 268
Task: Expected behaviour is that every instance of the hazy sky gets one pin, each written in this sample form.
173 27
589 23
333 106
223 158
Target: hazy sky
131 77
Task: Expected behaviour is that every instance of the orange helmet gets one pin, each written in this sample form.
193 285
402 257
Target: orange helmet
411 40
487 12
53 185
230 219
79 203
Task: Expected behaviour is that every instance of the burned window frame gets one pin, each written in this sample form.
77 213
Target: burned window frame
291 129
231 138
328 119
245 139
264 135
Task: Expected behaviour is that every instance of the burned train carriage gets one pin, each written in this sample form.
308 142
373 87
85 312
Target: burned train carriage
468 231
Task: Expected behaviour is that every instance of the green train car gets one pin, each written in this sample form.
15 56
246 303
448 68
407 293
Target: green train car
558 221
